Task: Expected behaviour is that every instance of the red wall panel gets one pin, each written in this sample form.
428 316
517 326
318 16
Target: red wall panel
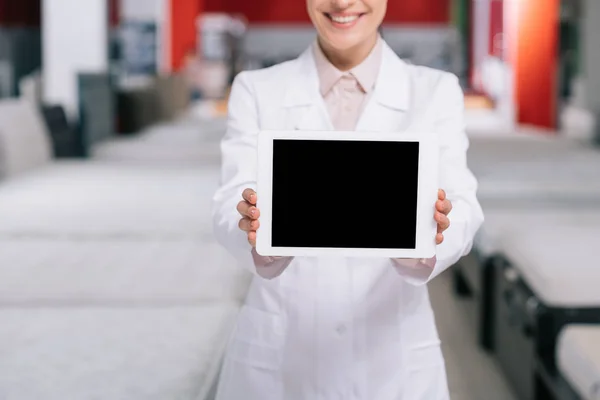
183 29
419 11
294 11
537 62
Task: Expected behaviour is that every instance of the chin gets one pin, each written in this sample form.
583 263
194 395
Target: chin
345 41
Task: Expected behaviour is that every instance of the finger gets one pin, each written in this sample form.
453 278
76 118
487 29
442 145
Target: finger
443 222
248 210
441 194
250 196
247 224
252 238
439 238
448 207
244 224
253 212
243 207
439 205
443 206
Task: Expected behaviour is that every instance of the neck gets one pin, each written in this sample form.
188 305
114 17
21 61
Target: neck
347 59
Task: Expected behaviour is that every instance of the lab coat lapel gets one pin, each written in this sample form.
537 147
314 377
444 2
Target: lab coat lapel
303 101
388 108
312 118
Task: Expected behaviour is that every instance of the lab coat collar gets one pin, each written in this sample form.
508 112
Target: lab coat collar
392 88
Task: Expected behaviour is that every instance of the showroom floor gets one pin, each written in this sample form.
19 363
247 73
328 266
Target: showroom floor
472 374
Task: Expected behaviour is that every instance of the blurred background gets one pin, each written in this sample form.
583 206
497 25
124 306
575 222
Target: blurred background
111 112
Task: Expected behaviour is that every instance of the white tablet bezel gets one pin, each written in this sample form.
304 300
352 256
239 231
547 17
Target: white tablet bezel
427 194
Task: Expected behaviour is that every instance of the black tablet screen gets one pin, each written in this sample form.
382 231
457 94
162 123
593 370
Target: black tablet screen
344 194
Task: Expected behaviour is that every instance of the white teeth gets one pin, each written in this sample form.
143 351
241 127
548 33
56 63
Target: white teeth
344 20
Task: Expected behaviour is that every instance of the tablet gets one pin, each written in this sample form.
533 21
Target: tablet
347 194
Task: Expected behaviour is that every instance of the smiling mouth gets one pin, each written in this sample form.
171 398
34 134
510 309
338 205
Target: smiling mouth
344 19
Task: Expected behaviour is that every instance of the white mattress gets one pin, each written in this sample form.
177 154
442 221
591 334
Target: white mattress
189 142
573 179
87 199
557 259
529 167
532 178
499 220
100 353
486 239
121 272
570 188
131 151
490 154
578 359
186 131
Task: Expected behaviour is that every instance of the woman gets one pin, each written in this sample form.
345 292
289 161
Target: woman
342 328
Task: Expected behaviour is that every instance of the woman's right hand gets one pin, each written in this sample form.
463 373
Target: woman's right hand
247 209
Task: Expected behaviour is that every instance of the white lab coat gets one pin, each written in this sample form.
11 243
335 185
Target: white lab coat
340 328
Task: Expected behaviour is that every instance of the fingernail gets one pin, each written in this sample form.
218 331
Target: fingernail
253 211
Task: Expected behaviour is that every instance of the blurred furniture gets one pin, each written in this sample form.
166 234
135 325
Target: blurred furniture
152 350
531 271
25 143
21 49
578 357
577 120
30 87
137 109
138 39
523 179
35 132
6 79
172 96
111 200
96 109
192 142
66 140
111 285
136 318
548 280
214 79
146 101
222 52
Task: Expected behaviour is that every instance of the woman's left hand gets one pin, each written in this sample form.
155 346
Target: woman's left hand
443 207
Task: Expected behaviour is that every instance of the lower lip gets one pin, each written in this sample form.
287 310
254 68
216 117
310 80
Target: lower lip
349 25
